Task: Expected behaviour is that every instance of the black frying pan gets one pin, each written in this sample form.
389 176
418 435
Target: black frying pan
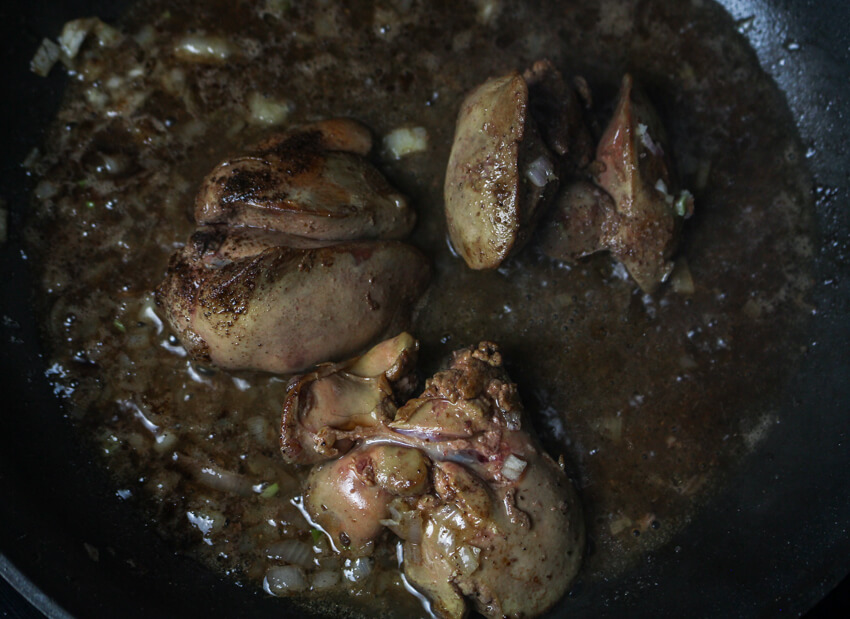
773 542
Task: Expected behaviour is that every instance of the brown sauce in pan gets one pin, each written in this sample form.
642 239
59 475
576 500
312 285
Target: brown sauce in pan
649 399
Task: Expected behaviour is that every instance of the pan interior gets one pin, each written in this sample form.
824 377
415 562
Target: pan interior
652 400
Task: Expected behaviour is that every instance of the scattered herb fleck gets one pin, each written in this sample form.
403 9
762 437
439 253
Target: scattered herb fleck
269 491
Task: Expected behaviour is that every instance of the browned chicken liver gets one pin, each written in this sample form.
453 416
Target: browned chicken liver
485 516
313 182
267 283
284 309
516 137
521 138
638 216
491 198
559 110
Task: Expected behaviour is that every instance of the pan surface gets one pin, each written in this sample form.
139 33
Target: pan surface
774 541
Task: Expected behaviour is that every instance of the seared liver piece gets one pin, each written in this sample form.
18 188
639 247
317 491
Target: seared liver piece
500 173
486 517
271 280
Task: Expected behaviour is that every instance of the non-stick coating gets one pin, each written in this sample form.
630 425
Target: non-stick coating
774 542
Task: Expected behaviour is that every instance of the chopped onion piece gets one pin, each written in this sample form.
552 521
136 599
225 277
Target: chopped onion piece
413 533
97 98
405 141
681 279
325 579
284 580
407 525
106 34
648 142
45 57
468 558
446 539
145 36
45 190
540 172
215 478
269 111
619 525
612 427
165 442
291 551
199 48
206 521
358 569
450 515
488 10
75 32
513 467
685 204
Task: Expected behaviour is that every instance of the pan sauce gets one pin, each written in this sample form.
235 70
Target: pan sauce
649 400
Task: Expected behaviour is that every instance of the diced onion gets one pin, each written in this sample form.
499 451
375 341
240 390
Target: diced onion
612 426
145 36
75 32
450 515
199 48
358 569
407 525
284 580
258 427
413 531
685 204
45 57
488 10
325 579
513 467
468 558
225 481
45 190
165 442
681 279
405 141
206 521
619 525
291 551
540 172
446 539
215 478
268 111
648 142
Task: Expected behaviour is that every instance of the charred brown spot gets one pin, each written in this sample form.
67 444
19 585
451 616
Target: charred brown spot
241 182
299 150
